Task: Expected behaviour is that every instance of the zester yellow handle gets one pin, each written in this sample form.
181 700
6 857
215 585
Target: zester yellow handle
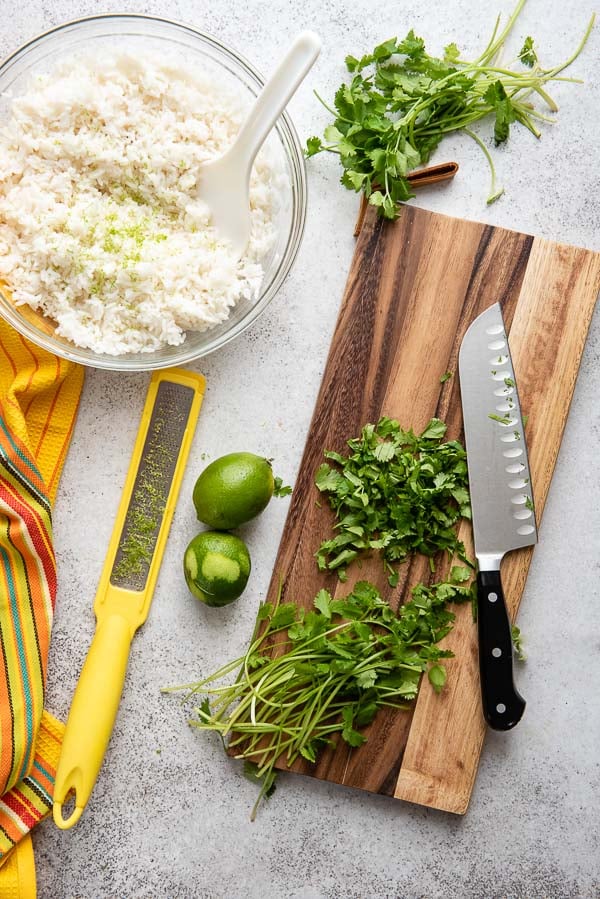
92 716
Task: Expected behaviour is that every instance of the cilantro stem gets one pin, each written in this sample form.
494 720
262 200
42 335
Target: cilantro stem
552 73
548 100
494 191
490 43
329 109
496 44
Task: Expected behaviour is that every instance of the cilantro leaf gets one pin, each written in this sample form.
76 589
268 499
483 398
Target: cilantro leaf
451 53
282 616
412 45
459 574
279 489
327 478
504 108
434 430
314 145
437 677
351 736
527 53
355 180
323 603
366 679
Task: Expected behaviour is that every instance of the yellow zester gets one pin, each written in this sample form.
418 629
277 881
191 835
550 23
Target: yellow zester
128 580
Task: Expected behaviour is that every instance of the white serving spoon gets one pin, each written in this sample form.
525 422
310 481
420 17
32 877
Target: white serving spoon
223 183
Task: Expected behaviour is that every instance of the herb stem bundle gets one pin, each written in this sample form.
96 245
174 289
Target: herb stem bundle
309 678
401 102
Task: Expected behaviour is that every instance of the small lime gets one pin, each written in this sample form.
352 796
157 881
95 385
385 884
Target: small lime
233 489
216 567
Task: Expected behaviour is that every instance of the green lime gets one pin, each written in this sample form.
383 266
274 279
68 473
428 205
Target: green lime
216 567
233 489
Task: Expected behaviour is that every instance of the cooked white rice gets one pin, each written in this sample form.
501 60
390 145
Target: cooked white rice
99 227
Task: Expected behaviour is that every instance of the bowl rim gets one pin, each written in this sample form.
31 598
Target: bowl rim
284 126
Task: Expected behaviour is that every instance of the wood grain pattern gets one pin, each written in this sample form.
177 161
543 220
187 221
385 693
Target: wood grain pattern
413 289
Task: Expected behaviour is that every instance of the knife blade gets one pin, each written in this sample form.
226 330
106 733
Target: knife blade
501 500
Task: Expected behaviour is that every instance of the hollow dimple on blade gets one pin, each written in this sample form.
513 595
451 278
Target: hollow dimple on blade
152 485
499 479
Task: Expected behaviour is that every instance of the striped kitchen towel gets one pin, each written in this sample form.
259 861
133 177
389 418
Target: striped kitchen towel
39 396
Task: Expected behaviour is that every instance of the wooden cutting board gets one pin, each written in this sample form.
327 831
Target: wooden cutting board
413 289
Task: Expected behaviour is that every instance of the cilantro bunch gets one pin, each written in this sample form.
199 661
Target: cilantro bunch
401 102
395 492
312 677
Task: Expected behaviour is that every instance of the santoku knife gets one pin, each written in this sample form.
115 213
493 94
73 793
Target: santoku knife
501 500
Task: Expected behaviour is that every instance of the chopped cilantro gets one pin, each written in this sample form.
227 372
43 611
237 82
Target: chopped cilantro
279 489
517 641
395 492
437 677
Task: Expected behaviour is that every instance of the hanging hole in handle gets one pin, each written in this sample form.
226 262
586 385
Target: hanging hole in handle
69 807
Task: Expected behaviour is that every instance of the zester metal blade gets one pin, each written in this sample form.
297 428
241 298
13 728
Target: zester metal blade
499 478
153 480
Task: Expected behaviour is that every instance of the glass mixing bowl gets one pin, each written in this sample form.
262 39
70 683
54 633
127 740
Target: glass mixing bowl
165 38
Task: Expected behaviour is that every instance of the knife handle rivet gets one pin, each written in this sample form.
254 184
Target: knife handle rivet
496 652
500 708
492 597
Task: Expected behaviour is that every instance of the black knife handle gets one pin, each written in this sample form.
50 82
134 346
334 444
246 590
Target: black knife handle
503 706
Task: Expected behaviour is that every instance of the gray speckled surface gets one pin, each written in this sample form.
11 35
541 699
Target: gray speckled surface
169 816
